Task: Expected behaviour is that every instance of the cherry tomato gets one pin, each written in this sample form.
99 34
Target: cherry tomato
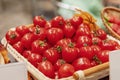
39 46
96 41
39 21
109 45
69 53
54 35
61 43
58 64
83 31
76 21
103 55
51 55
47 69
101 34
38 33
81 63
48 25
12 37
68 30
83 41
26 53
58 22
96 49
86 51
26 40
66 70
19 47
93 63
34 59
22 30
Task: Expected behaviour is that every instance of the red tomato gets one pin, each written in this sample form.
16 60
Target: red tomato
76 21
12 37
58 64
26 40
86 52
96 41
83 41
83 31
34 59
66 70
38 33
61 43
93 63
109 45
47 69
81 63
51 55
39 46
96 49
54 35
103 56
19 47
26 53
39 21
48 25
69 30
101 34
22 30
115 27
69 53
58 22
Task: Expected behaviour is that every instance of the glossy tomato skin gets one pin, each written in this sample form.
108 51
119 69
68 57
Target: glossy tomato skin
96 49
76 21
83 41
48 25
96 41
38 33
34 59
86 51
58 64
103 56
69 30
12 37
54 35
101 34
66 70
117 47
39 21
69 54
58 22
109 45
81 63
22 30
83 31
26 53
39 46
64 42
47 69
19 47
51 55
26 40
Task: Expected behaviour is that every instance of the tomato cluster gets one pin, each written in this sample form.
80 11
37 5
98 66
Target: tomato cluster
114 22
60 47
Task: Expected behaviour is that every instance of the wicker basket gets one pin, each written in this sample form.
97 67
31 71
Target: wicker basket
111 11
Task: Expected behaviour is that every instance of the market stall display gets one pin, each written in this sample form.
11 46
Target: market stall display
75 48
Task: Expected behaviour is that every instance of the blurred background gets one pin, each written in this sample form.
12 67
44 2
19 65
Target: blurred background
21 12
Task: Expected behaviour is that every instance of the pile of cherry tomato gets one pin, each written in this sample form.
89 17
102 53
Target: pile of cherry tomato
114 22
60 47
